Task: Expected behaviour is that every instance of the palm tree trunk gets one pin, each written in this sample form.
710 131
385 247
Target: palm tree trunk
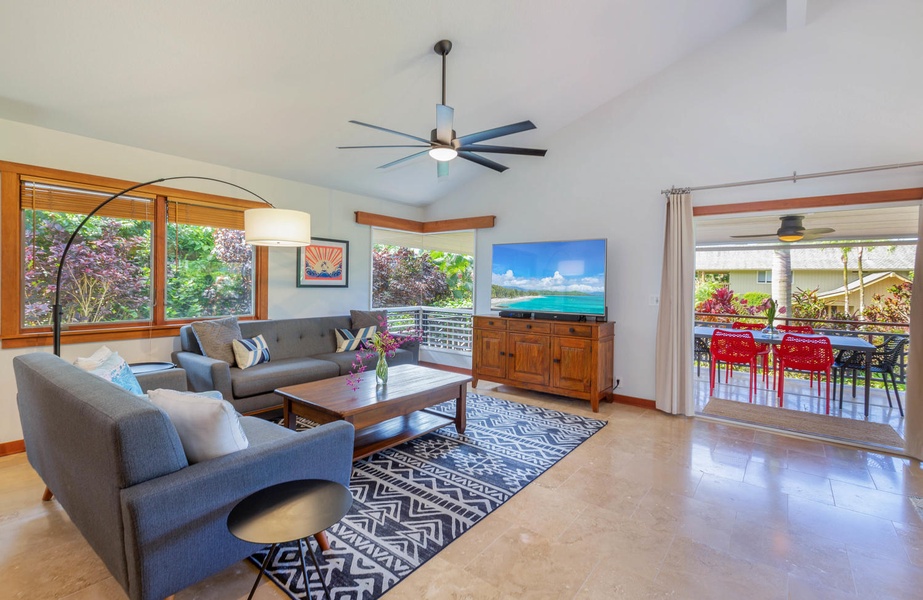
846 281
861 283
782 278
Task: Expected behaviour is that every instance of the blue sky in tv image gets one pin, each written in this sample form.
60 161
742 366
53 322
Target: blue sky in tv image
567 276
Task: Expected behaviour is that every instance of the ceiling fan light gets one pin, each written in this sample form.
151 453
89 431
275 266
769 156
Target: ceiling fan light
791 237
443 153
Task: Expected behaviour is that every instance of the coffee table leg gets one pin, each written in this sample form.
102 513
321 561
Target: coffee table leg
288 419
460 402
265 564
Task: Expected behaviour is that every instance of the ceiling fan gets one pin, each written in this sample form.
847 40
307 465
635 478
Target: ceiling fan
792 230
443 145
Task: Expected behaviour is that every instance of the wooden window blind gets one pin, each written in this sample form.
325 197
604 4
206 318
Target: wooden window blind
194 212
55 196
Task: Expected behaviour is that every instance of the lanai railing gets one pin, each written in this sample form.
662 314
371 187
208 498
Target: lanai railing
874 332
440 328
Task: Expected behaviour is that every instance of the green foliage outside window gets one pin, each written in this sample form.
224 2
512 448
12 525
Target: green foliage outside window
414 277
107 275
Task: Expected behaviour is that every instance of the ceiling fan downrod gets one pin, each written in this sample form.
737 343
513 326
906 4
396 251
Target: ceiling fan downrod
442 48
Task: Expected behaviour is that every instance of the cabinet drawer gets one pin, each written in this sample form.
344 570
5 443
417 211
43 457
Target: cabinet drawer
490 323
585 331
530 326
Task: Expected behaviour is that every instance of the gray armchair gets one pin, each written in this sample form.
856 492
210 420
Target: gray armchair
116 465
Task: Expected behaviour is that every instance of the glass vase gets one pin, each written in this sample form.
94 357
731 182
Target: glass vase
381 370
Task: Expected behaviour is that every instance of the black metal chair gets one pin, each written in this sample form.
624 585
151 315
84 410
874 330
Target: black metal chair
885 359
702 352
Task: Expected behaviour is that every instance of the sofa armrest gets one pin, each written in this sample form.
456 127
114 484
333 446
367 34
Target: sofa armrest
204 373
184 514
170 379
410 344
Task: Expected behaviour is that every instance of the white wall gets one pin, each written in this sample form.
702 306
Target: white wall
842 92
331 217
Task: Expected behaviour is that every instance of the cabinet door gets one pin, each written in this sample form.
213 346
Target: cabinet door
489 353
572 365
529 358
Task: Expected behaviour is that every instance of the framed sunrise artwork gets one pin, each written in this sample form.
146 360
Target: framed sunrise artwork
325 263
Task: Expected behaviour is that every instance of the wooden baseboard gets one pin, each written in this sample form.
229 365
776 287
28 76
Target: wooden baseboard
458 370
14 447
632 401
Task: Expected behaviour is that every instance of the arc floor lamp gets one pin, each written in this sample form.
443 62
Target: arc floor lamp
262 227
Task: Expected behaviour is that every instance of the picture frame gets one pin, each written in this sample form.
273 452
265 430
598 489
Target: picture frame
325 263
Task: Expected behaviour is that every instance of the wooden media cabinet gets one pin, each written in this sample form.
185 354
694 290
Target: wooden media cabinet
573 359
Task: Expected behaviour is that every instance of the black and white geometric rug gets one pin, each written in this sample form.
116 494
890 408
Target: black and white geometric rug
411 501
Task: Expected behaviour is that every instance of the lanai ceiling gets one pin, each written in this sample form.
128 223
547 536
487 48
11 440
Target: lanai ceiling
860 223
269 86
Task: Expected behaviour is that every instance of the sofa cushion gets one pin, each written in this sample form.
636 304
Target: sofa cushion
110 366
351 340
264 378
250 352
345 360
215 337
208 426
296 338
366 318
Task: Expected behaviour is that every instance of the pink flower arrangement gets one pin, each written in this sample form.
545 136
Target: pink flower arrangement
381 345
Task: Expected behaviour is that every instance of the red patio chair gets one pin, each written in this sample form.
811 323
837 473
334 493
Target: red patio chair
805 329
765 350
733 348
804 353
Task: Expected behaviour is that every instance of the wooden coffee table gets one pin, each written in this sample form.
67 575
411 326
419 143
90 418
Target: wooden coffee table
383 416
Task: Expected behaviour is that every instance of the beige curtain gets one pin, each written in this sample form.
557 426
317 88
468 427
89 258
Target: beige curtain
673 369
913 402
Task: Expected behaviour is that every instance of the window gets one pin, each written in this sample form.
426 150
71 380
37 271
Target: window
141 266
764 276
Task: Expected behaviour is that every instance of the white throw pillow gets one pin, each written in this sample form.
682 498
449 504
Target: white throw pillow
208 426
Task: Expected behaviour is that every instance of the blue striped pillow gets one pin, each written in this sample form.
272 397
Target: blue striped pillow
354 339
251 352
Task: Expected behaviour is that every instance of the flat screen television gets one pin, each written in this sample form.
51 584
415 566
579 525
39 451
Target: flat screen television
550 278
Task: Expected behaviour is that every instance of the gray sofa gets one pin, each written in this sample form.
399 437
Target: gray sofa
300 350
116 465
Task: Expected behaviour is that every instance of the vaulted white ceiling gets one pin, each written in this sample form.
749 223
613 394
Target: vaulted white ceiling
269 86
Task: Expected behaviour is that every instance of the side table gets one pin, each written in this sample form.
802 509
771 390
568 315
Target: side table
288 512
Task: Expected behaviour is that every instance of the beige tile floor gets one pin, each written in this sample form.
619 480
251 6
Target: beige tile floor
652 506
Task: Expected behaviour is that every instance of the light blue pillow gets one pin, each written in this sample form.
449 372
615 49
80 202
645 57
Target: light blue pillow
111 367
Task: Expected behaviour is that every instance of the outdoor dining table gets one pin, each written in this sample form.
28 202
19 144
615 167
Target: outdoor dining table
839 342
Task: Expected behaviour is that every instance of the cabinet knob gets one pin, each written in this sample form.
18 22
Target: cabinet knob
571 330
503 354
557 360
490 322
510 355
528 327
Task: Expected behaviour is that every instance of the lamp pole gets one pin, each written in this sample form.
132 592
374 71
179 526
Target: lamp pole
57 312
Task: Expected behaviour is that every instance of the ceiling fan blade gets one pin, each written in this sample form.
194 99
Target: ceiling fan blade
504 150
484 162
392 146
445 117
442 168
496 132
758 235
813 234
406 158
407 135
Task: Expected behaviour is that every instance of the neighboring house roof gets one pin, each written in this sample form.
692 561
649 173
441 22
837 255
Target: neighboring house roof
883 258
867 280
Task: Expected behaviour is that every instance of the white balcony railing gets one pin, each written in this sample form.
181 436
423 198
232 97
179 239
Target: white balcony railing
439 328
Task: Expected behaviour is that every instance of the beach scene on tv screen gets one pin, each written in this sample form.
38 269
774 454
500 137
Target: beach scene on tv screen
562 277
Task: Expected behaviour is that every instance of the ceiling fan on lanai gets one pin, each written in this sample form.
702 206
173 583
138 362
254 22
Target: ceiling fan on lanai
792 230
443 144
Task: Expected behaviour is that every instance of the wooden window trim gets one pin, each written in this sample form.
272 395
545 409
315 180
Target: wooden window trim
794 204
11 331
366 218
